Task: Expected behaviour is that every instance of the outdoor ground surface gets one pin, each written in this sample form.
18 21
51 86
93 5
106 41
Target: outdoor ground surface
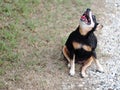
32 33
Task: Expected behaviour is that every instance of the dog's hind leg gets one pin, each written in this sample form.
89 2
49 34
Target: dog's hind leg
99 66
85 66
66 54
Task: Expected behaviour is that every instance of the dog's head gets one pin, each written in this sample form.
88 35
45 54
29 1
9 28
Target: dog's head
88 22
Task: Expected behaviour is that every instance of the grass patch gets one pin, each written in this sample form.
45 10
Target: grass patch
63 40
2 86
2 71
15 16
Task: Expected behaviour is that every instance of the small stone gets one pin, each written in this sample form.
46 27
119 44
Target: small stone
117 5
80 85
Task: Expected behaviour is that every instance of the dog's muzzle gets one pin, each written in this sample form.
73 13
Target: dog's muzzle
87 19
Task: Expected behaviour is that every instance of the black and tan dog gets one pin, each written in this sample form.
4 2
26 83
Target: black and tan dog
81 44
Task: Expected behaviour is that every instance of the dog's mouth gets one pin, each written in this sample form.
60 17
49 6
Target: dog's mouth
86 17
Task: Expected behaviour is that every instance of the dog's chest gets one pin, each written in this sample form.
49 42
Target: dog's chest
81 42
82 48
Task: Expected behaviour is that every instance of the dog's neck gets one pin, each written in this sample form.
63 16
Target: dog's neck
82 32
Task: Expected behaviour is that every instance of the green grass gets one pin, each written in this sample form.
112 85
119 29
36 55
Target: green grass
2 85
2 71
14 17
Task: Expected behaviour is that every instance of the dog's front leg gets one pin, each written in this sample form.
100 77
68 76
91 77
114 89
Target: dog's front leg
72 68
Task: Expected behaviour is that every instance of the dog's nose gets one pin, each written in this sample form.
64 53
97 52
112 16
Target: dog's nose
88 9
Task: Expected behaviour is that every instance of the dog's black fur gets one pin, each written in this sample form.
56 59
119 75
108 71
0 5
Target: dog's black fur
89 39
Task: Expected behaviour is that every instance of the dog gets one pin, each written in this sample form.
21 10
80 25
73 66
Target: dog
81 44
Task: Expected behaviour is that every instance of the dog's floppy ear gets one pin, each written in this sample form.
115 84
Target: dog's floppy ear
99 26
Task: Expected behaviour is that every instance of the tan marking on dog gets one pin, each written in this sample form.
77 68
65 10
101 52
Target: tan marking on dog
66 53
87 48
76 45
85 30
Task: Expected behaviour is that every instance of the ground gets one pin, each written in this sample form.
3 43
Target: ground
39 63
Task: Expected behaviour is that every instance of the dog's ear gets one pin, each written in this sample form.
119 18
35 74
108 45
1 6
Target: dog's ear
99 26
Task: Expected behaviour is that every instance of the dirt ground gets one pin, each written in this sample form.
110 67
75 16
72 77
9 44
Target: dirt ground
42 66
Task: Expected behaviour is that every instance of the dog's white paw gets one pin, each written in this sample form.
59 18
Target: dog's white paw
72 72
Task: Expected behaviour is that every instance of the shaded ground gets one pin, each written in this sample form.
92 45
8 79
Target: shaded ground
41 65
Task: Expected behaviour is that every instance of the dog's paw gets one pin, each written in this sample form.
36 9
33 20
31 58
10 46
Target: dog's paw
72 72
101 70
83 75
